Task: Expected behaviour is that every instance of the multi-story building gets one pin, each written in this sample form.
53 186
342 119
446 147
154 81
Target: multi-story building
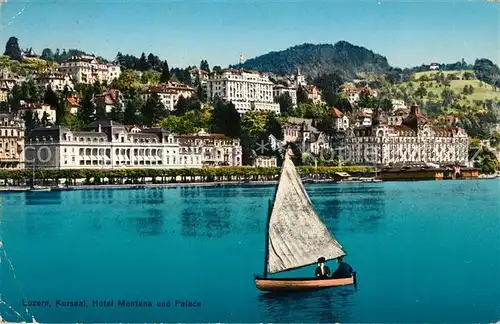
107 144
398 104
8 79
11 142
340 121
114 72
39 110
215 149
200 74
279 89
4 91
169 93
415 140
353 93
55 80
313 94
85 69
247 90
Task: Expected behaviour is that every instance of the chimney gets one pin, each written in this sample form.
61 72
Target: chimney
99 128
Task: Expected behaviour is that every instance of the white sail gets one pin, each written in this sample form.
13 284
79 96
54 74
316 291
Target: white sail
297 236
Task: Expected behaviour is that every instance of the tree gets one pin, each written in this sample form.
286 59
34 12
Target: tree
86 113
116 113
51 98
302 96
153 111
366 100
12 49
165 72
216 69
488 162
204 66
201 93
45 119
61 111
131 113
47 55
286 104
421 91
447 96
143 63
31 120
226 119
15 97
273 126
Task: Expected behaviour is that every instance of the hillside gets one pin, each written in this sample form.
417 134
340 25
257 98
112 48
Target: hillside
315 60
458 80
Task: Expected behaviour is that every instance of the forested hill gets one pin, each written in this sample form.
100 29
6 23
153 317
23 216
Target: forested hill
314 60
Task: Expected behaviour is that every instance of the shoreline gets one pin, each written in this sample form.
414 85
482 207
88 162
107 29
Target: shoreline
197 185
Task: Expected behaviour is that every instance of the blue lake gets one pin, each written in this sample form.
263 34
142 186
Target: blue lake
424 252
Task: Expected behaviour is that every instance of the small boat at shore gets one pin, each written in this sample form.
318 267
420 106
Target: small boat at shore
39 188
296 237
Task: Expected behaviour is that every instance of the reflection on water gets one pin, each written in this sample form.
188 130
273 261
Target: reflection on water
333 305
206 221
362 205
150 196
43 198
150 225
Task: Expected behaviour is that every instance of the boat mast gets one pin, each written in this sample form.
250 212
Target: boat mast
266 257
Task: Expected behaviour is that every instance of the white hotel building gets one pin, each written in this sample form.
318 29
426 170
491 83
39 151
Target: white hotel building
86 69
247 90
398 143
108 145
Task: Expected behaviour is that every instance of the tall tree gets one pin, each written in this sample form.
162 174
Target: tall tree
31 120
86 113
51 98
143 63
204 66
273 126
286 104
131 113
165 72
153 111
117 113
47 55
302 97
12 49
226 119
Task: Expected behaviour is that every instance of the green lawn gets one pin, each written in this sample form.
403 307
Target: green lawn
433 73
482 91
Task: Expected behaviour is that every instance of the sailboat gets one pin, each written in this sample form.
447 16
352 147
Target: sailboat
296 237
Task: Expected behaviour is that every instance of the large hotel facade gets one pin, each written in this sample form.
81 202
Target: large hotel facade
108 145
412 139
247 90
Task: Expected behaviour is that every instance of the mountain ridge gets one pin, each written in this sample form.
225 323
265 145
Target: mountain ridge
315 60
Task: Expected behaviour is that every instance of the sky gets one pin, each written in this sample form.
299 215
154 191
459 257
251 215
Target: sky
408 33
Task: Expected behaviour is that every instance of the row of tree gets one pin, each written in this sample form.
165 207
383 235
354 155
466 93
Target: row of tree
205 174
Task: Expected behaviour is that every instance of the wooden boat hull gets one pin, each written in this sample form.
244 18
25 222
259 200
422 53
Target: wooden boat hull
300 284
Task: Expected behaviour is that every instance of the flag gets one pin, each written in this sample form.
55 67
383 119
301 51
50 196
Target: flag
242 58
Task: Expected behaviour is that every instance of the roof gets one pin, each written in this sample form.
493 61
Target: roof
169 87
109 98
72 101
337 113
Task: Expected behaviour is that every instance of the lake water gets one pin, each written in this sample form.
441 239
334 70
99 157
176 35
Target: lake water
424 252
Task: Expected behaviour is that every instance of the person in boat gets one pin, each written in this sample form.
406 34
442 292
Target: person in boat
344 269
322 271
